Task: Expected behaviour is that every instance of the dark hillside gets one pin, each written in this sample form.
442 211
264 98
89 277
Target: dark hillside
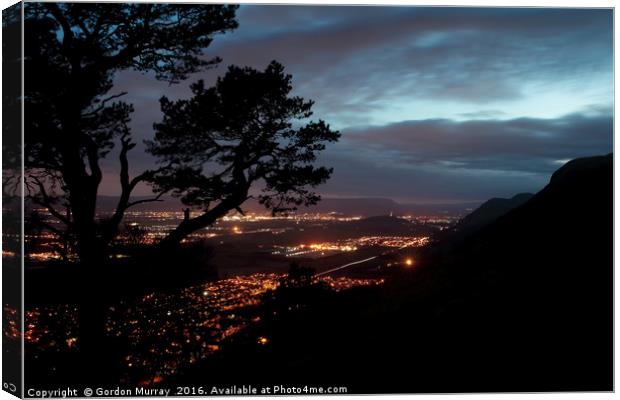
490 211
524 304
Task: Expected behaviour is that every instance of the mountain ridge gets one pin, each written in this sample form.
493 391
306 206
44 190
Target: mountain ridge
490 210
362 206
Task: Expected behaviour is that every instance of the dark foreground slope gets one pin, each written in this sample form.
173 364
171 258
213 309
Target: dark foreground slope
524 304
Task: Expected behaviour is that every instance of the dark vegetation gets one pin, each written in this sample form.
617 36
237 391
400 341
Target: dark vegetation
211 149
75 118
243 129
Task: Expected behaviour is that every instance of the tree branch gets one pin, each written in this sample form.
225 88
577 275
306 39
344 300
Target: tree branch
60 18
127 185
135 203
47 201
103 103
92 153
61 234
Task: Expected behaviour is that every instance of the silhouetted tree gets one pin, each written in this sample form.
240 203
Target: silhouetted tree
11 103
73 120
299 288
245 131
298 276
11 139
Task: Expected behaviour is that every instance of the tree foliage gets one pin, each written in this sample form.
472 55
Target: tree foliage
246 132
73 118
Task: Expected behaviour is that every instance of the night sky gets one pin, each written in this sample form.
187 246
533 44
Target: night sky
434 104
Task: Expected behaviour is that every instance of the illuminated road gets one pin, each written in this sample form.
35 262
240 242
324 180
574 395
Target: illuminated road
329 271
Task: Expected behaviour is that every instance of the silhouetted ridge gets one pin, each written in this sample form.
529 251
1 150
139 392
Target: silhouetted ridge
490 211
379 221
536 285
581 168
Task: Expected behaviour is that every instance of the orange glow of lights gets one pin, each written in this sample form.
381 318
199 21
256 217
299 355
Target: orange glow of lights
409 262
263 340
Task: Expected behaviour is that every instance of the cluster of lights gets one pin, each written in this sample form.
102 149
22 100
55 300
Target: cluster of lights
8 253
342 283
11 329
166 331
175 216
253 217
322 249
312 249
190 324
157 225
44 256
433 219
51 328
392 241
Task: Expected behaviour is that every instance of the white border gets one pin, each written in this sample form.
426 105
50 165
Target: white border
471 3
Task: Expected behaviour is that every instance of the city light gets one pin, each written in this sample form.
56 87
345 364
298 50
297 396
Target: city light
166 331
349 245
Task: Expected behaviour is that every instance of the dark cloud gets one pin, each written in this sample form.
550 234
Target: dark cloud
483 114
446 160
523 145
358 176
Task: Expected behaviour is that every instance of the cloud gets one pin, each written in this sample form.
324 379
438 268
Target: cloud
372 57
445 160
522 145
373 64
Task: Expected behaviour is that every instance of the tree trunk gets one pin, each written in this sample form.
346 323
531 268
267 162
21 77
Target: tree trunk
93 290
95 347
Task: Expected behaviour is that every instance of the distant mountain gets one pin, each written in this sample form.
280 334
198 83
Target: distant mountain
383 221
166 203
448 209
490 211
385 225
364 207
381 206
347 206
